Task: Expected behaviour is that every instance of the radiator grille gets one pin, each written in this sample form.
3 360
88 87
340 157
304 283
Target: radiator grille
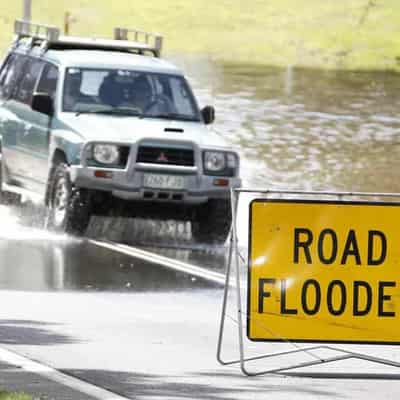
165 155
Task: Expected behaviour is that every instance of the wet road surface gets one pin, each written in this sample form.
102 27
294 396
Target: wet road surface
144 330
81 265
137 328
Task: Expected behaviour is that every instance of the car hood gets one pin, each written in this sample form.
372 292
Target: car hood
132 129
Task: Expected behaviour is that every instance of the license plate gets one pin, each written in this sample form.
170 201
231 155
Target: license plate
156 181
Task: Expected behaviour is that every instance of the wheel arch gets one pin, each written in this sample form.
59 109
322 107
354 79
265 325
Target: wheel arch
59 156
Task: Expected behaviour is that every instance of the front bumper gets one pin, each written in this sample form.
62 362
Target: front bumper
129 184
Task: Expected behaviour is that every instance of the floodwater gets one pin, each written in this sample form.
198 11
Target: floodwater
308 129
294 129
71 265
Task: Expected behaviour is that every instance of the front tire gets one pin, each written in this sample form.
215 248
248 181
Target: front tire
68 207
212 222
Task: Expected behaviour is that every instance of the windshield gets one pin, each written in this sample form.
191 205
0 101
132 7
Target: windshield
127 92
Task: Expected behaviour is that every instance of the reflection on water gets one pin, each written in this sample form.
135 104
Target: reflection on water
308 129
35 259
139 232
168 238
80 265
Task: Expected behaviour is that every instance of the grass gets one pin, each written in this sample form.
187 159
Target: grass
14 396
351 34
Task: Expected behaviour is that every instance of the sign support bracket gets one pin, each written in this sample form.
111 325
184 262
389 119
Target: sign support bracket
232 278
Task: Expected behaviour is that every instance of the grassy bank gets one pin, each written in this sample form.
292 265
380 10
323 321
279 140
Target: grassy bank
14 396
351 34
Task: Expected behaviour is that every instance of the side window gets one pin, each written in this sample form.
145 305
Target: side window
181 96
5 67
10 75
31 73
48 81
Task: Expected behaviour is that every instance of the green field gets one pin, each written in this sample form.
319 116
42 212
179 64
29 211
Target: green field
14 396
351 34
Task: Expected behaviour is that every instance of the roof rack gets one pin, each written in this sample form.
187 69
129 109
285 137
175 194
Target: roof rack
34 31
139 36
49 38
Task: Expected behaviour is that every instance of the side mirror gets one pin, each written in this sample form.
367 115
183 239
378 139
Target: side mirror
208 113
43 103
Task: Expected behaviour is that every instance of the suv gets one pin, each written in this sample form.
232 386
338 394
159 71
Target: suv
106 127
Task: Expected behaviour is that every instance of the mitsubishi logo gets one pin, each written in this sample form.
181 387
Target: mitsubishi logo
162 157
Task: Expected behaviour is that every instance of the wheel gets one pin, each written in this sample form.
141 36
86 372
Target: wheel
212 222
68 207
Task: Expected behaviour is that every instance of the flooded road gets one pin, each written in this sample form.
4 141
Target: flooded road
144 330
296 129
307 129
34 259
81 265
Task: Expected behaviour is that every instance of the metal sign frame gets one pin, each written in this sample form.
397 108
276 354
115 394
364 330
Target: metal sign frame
232 278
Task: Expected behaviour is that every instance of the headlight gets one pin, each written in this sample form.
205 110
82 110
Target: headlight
106 153
214 161
220 163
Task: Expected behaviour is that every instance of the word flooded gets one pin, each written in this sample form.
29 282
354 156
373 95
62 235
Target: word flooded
360 296
337 296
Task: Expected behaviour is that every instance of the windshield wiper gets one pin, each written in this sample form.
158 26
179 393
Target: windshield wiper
175 116
128 111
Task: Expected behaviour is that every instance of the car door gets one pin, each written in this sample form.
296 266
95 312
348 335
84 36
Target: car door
41 124
10 124
47 84
34 140
32 137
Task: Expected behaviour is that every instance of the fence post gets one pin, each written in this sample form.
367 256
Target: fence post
27 10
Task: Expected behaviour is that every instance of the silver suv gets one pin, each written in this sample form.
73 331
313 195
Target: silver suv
106 127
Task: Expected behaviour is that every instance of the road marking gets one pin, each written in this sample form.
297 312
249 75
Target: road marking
56 376
165 261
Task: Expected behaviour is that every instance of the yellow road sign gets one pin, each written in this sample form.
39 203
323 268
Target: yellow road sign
324 271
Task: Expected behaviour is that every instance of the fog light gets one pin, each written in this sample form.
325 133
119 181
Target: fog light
221 182
103 174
